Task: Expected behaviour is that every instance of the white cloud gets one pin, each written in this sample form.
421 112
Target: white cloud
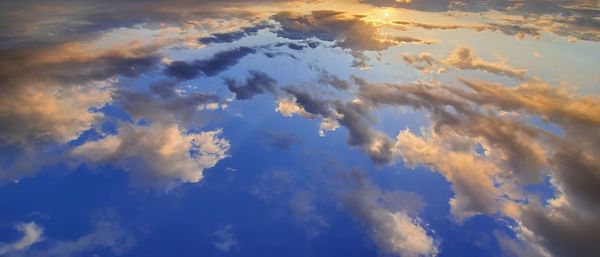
388 220
288 108
32 234
49 114
159 155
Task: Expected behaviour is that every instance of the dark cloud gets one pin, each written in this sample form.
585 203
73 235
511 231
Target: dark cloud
228 37
326 78
258 83
526 152
309 102
355 117
22 24
348 31
208 67
298 45
165 105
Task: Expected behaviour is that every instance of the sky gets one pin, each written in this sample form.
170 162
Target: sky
300 128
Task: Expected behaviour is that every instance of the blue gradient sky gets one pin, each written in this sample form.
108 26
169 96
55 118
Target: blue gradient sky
299 128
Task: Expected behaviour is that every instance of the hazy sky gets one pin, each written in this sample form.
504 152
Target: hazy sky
300 128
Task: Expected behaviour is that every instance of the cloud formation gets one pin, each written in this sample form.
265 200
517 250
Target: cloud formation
514 154
388 223
32 234
208 67
462 58
258 83
162 155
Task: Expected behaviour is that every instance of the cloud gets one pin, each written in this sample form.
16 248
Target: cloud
288 108
424 62
258 83
51 114
464 58
577 114
225 240
302 205
391 227
560 228
326 78
212 66
106 235
472 178
50 94
519 31
515 154
32 234
160 155
353 116
88 20
165 104
348 31
232 36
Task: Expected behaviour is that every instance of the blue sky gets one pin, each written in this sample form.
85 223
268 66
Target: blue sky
299 128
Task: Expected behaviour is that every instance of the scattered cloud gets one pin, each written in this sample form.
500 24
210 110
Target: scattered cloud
209 67
462 58
32 234
392 228
161 155
225 239
258 83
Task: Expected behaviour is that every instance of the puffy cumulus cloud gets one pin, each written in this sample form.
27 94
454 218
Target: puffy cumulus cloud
463 58
158 155
258 83
515 154
33 120
473 178
49 114
32 234
390 223
50 94
348 31
49 91
288 108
